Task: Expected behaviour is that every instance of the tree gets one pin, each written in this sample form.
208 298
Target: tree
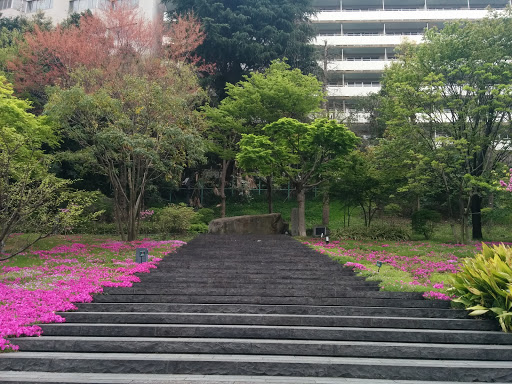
108 43
244 36
260 99
223 137
137 129
297 151
446 87
359 181
30 196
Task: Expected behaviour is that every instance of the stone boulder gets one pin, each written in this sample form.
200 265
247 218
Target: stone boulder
270 224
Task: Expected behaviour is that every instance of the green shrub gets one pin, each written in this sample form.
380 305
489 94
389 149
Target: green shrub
175 218
374 232
198 228
483 285
424 222
392 209
499 216
204 216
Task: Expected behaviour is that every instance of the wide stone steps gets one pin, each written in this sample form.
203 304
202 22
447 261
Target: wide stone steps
276 319
339 300
245 291
206 364
430 351
260 310
111 378
279 332
274 309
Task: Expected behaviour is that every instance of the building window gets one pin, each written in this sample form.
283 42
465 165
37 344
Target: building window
83 5
5 4
39 5
77 6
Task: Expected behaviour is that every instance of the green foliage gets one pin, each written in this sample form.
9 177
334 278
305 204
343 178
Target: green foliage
492 216
246 35
260 99
424 221
175 218
445 104
30 196
298 150
375 232
204 215
278 91
134 130
483 285
198 228
359 181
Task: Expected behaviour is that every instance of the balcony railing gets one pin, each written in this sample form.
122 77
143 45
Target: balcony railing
402 9
371 34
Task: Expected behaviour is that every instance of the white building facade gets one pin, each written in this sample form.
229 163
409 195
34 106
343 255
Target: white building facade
59 10
360 37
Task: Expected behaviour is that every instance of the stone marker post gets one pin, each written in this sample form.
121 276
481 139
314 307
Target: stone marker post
141 255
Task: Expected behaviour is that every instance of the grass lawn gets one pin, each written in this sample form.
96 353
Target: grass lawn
62 270
338 219
410 266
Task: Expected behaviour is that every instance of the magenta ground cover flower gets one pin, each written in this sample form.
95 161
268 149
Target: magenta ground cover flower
68 274
437 296
427 264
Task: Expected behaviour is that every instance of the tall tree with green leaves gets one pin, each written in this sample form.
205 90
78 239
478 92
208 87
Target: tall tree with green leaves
30 196
452 96
261 98
137 129
245 35
298 152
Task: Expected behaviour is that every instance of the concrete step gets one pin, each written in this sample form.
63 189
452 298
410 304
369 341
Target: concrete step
312 366
251 279
266 347
271 300
277 320
119 378
274 309
279 332
259 273
244 291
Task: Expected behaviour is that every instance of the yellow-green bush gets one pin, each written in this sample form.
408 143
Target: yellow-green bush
484 284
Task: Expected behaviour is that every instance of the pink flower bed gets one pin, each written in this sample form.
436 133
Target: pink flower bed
67 274
420 268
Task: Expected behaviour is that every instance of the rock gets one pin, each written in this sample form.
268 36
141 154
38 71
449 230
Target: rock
269 224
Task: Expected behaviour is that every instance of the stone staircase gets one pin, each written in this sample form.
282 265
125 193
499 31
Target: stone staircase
267 309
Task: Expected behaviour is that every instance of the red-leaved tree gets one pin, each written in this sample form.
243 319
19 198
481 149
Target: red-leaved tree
110 42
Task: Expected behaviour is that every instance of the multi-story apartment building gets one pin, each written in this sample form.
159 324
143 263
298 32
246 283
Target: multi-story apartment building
59 10
359 37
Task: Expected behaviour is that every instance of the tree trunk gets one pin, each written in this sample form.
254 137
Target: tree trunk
132 227
325 207
269 195
301 201
462 221
364 214
476 216
223 173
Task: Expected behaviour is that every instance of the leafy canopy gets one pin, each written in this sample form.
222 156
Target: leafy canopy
299 151
246 35
30 196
